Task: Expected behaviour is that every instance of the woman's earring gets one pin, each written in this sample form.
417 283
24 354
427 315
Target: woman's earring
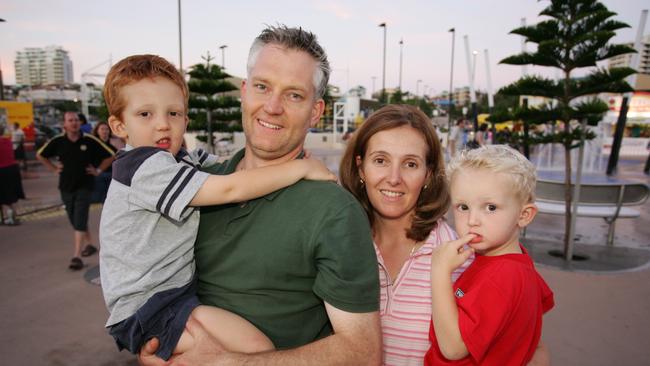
425 186
361 181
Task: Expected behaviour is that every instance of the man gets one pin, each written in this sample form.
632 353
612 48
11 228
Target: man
80 158
298 263
85 126
18 142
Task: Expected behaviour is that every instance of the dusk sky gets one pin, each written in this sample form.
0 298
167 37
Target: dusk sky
94 31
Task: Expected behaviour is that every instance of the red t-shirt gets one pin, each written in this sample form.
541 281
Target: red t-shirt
500 301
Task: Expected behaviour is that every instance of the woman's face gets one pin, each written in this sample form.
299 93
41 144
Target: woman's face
104 132
395 171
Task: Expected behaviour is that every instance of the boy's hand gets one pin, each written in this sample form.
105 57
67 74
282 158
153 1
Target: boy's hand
451 255
316 170
147 355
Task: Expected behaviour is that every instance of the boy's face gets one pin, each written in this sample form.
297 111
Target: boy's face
154 115
484 203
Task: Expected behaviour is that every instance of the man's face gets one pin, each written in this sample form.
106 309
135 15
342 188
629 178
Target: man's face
154 115
71 123
278 102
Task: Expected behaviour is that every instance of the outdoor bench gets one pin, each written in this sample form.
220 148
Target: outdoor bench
609 200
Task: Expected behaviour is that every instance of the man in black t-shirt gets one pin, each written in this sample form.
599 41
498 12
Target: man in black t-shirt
81 157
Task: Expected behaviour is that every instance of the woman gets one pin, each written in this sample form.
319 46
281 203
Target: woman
103 132
394 166
11 187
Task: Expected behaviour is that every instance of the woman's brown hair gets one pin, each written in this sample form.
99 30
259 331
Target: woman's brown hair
433 201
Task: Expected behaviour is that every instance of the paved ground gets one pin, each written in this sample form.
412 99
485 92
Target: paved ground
52 316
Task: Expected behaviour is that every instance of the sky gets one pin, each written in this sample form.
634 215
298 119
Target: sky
95 32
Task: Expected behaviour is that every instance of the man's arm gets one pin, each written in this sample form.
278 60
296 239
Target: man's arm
356 341
102 166
56 168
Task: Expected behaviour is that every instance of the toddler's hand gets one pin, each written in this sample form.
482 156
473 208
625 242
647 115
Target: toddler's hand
451 255
316 170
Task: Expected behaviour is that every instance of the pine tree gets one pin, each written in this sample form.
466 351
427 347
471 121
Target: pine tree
575 36
208 84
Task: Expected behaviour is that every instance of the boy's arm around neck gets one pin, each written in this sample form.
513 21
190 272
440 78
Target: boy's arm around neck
249 184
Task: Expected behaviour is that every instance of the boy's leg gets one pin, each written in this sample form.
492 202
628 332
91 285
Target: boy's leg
233 332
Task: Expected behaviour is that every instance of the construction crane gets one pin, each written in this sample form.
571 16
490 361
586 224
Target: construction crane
88 77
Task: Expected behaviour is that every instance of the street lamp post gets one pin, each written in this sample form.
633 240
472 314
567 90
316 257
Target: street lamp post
383 70
474 53
451 82
2 85
401 46
417 87
472 92
223 56
180 40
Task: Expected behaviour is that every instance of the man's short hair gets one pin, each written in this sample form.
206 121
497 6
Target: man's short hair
135 68
294 39
499 159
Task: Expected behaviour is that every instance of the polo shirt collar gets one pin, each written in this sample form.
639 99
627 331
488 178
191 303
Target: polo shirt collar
231 167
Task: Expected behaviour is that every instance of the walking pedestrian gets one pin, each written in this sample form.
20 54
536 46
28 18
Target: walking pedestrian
11 187
81 157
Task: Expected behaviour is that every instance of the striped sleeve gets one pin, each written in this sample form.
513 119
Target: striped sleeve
48 150
161 184
101 143
203 158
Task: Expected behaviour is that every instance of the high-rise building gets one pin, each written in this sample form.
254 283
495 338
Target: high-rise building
644 57
43 66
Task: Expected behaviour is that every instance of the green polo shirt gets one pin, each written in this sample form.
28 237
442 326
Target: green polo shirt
275 259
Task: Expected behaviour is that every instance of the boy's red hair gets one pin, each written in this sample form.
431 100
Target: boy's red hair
135 68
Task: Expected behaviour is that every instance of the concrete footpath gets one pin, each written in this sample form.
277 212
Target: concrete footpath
52 316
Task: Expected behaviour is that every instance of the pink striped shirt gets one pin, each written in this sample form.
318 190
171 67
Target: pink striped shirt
405 305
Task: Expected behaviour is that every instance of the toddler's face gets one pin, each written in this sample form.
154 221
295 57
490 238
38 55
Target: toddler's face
484 203
154 115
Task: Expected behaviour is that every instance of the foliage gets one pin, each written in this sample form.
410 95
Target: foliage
208 84
575 35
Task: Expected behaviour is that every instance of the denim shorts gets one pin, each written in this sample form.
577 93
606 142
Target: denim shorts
163 316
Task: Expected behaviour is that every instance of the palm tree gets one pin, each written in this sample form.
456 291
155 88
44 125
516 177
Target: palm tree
575 36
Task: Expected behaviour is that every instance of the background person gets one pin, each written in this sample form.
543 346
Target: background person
11 187
85 126
80 157
103 132
18 142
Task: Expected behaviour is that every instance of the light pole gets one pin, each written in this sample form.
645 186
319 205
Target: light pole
180 40
223 56
383 70
474 53
451 82
401 46
417 87
2 85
